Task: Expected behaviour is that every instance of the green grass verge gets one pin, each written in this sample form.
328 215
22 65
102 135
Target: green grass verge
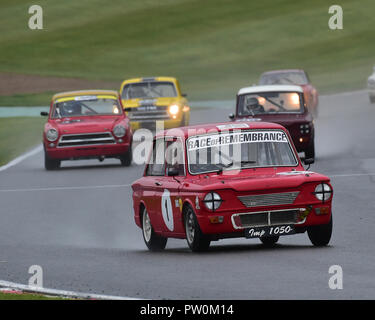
214 46
26 296
18 135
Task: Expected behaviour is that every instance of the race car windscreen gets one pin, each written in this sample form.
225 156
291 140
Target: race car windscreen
298 78
269 102
146 90
86 106
239 150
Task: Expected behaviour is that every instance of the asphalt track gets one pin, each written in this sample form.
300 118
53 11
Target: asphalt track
77 223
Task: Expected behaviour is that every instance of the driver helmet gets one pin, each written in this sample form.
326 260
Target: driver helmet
71 108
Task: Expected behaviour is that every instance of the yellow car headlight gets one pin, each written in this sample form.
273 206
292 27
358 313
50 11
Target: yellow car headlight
174 109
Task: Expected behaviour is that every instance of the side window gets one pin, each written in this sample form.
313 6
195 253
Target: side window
156 167
175 156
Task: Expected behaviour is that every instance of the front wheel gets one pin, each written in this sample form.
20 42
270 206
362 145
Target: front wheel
269 241
153 241
310 152
372 99
320 235
126 158
196 240
51 164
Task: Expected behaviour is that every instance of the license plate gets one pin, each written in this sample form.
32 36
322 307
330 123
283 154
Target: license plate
258 232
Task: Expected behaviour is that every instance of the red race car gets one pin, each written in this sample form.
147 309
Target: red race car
226 180
85 125
294 76
282 104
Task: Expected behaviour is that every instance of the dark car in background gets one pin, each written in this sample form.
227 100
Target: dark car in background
282 104
297 77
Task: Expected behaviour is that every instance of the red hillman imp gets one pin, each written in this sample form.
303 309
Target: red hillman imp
227 180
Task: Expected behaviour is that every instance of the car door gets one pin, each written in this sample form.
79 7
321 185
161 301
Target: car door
171 202
153 185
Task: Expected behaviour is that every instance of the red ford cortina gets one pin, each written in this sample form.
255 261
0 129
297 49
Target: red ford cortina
298 77
227 180
85 125
282 104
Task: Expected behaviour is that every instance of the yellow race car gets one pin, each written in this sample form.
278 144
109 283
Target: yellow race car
148 100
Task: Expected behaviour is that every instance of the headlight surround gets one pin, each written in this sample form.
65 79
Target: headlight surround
323 192
52 135
119 131
212 201
174 109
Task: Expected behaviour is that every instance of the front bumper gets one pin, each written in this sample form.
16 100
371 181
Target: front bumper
87 152
156 124
230 225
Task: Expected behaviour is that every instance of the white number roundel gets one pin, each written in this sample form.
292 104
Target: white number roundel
166 209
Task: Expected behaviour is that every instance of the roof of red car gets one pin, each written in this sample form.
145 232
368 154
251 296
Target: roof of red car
283 70
84 93
219 126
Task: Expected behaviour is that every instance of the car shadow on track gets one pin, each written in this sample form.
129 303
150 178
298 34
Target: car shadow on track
240 248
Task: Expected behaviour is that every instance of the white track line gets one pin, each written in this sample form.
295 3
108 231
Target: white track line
60 293
67 188
22 157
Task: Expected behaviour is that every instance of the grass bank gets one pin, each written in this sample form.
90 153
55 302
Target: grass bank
18 135
214 47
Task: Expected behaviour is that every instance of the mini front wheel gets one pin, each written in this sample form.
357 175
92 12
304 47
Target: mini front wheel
153 241
320 235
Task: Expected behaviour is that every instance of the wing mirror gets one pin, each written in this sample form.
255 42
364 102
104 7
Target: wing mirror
44 114
127 109
231 116
184 95
308 162
172 172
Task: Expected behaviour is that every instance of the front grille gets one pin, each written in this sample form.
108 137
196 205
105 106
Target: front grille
270 218
271 199
148 113
86 139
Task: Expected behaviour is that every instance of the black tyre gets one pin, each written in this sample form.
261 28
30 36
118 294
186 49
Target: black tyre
51 164
184 121
196 240
269 241
310 152
153 241
320 235
372 99
126 158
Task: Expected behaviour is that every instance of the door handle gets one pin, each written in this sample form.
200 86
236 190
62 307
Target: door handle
158 183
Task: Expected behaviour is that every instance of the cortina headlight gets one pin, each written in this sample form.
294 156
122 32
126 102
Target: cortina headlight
119 131
52 135
173 109
212 201
323 192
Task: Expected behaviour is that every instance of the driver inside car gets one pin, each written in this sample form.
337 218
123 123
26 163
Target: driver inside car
71 108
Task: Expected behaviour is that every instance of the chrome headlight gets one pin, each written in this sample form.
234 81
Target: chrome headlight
119 131
52 135
212 201
173 109
323 192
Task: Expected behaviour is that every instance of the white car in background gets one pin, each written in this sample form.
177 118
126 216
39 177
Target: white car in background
371 86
